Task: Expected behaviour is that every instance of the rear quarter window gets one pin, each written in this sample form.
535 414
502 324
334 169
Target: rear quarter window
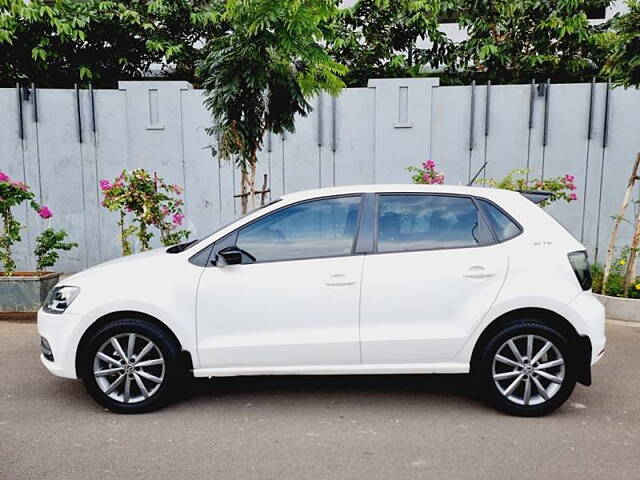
503 225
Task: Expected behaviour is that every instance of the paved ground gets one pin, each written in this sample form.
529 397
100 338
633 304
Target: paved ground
307 428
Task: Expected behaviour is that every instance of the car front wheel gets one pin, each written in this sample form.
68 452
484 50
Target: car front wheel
527 368
130 366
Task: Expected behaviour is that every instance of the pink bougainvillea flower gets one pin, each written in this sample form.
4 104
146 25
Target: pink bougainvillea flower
45 212
177 218
573 196
177 189
569 178
4 177
165 210
21 185
105 185
571 186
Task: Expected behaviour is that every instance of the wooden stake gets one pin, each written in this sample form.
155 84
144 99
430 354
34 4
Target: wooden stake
618 219
630 275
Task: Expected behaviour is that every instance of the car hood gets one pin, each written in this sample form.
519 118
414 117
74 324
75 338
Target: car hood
155 255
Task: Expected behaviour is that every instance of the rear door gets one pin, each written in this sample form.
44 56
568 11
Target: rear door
435 271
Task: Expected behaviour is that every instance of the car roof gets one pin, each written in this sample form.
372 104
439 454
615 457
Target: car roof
491 193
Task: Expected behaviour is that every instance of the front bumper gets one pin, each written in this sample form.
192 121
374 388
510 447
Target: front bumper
61 334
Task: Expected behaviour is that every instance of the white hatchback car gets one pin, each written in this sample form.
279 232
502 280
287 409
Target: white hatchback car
372 279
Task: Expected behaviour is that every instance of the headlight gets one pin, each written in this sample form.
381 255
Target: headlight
59 299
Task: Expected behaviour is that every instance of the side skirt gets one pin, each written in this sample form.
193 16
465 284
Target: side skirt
375 369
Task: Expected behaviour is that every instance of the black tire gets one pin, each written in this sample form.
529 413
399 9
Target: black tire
483 368
172 373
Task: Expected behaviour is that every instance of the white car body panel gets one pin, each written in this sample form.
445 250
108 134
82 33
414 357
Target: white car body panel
411 312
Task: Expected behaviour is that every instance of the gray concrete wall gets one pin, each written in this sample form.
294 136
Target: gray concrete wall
367 135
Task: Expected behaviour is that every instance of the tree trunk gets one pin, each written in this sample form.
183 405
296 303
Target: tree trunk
618 219
248 189
630 276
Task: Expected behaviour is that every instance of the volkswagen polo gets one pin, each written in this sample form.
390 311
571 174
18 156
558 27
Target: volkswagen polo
377 279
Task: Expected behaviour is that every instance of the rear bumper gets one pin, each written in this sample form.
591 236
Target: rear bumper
589 320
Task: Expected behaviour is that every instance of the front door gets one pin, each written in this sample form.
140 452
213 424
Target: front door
435 272
297 303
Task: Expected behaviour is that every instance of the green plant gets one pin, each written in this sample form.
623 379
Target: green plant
56 43
261 73
47 243
512 41
387 38
623 64
151 202
615 281
13 194
561 188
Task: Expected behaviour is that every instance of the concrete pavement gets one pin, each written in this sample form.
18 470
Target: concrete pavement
386 427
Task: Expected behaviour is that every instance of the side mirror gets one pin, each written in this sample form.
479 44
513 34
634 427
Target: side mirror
232 256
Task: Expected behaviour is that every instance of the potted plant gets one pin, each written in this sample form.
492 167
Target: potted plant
25 291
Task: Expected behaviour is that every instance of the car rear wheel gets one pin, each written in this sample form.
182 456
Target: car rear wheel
130 366
526 368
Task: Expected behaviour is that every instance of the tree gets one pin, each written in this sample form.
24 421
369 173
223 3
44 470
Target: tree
623 64
389 38
512 41
262 73
57 44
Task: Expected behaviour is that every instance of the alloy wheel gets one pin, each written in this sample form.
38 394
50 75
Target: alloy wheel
528 369
129 368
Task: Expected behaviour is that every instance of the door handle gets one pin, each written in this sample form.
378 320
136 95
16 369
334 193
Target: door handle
338 279
478 271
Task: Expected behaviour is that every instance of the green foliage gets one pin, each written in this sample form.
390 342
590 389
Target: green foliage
615 282
260 74
151 202
512 41
561 188
58 43
380 38
623 64
47 243
509 41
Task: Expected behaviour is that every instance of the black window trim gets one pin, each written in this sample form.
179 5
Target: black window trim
481 217
479 201
234 233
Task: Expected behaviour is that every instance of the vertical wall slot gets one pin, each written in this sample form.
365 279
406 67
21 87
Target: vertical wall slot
154 111
403 108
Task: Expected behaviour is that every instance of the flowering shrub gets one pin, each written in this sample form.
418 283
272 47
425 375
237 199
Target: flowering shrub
151 202
12 194
561 188
427 174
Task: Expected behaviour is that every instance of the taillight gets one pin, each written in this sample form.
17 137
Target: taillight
581 268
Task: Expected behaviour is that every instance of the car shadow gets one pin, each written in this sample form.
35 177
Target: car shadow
359 389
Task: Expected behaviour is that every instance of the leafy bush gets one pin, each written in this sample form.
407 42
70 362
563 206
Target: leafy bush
47 243
151 203
13 194
615 283
561 188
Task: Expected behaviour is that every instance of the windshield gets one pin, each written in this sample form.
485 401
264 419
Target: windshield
192 243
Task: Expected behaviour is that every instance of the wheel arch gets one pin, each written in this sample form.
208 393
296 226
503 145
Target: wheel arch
185 355
582 344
